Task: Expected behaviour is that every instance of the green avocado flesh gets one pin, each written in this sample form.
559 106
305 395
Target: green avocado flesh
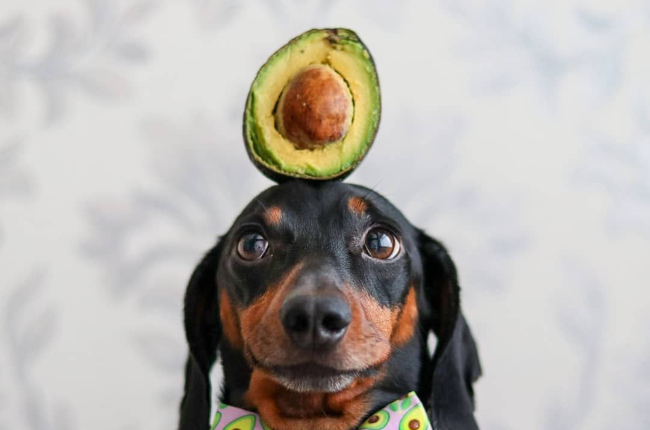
376 422
340 53
415 419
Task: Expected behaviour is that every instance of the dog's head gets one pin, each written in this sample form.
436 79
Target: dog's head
316 287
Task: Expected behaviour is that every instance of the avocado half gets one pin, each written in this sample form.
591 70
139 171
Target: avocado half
313 109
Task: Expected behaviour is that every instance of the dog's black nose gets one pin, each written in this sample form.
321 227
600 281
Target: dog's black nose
315 321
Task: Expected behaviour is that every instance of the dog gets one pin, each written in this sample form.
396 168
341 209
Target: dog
319 301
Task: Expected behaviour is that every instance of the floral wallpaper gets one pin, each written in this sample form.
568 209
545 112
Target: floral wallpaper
518 132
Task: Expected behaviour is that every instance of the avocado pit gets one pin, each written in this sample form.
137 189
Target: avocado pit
315 108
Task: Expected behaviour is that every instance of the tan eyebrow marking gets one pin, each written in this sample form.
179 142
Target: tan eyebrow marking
357 205
273 215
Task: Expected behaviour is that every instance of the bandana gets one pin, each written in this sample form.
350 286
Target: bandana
406 413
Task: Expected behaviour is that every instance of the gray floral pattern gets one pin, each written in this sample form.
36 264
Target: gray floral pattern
28 329
15 182
514 47
582 316
197 196
88 55
620 168
517 133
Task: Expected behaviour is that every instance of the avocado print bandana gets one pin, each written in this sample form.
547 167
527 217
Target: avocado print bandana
406 413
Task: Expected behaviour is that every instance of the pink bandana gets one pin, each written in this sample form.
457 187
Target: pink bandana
406 413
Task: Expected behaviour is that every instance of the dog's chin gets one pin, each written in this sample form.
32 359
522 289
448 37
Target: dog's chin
311 376
330 384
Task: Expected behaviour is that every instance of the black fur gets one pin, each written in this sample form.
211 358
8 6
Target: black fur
317 227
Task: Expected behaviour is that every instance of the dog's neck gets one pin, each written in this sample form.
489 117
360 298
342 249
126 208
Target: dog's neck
283 409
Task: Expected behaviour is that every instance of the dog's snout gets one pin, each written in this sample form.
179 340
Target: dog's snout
315 321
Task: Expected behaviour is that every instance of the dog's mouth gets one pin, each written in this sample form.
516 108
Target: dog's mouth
314 377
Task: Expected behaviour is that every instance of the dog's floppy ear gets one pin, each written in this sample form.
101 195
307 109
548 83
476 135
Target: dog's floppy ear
203 332
455 362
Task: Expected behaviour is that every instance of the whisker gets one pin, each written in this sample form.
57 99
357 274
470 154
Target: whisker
373 189
260 202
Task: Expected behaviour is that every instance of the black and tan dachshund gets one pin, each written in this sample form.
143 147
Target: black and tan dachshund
319 301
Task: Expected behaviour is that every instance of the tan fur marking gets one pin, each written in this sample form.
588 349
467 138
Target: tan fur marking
273 215
261 327
357 206
229 322
406 320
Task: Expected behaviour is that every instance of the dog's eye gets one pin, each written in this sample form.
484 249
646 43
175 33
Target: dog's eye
252 246
381 244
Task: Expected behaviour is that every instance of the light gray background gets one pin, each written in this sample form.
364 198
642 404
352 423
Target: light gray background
518 132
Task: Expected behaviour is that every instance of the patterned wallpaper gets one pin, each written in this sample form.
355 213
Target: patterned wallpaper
518 132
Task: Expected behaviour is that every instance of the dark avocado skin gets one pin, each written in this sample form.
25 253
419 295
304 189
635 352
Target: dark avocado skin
278 176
